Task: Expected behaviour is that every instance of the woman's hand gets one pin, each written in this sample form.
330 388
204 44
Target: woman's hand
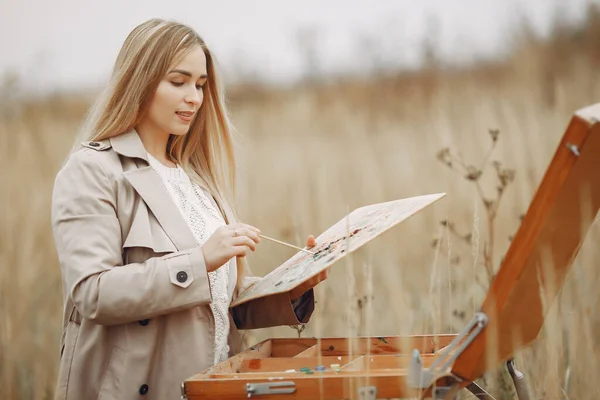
227 242
312 282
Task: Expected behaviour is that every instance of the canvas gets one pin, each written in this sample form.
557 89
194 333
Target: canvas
347 235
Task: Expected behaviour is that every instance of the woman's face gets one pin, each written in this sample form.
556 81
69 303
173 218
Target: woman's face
178 97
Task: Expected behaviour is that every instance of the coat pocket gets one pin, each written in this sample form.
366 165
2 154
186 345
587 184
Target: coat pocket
203 313
66 359
111 381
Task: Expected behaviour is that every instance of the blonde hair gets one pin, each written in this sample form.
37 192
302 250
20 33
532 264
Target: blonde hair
206 152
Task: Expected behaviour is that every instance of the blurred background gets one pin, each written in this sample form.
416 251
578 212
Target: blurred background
339 104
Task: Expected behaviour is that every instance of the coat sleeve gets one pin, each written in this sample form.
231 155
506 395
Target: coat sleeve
88 240
274 310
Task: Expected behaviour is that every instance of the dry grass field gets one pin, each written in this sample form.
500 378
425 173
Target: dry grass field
310 154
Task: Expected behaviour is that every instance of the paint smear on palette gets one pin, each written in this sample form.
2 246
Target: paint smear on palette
347 235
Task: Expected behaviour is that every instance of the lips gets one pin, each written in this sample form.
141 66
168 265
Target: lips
185 116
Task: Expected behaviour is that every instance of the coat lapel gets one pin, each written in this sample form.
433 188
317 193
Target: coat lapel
149 186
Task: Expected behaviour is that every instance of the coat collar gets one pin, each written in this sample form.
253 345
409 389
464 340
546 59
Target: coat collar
129 144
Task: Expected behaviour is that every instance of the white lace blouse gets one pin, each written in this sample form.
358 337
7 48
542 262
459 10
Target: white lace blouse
203 219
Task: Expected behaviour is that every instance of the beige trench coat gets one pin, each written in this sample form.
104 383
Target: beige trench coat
137 320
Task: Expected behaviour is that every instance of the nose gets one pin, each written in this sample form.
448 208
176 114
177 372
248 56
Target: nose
194 97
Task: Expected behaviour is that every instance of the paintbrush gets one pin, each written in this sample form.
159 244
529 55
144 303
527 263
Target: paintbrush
286 244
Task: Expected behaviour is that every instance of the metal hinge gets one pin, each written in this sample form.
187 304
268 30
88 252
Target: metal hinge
443 393
183 395
574 149
421 378
257 389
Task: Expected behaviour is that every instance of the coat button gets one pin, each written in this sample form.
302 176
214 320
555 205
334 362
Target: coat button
144 322
94 144
144 389
182 276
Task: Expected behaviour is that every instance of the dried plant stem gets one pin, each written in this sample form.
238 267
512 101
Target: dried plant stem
475 249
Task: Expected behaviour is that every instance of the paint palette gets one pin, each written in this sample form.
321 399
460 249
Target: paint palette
347 235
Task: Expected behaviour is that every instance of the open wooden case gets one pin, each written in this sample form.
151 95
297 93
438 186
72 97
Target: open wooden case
274 367
424 366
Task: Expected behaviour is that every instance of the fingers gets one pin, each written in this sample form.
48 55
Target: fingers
244 241
239 225
248 233
309 284
311 242
321 276
240 251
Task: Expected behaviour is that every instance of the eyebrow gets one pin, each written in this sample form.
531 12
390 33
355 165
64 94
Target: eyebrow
186 73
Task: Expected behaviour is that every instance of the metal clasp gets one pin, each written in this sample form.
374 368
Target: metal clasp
258 389
418 377
183 394
367 393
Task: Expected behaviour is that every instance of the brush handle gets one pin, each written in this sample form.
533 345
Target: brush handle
286 244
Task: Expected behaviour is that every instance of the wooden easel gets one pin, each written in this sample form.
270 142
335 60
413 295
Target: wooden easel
533 271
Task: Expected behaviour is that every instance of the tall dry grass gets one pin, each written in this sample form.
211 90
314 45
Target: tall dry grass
314 152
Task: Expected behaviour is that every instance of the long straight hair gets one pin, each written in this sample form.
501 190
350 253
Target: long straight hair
206 152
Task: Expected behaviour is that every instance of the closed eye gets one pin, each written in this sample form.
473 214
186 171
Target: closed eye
179 84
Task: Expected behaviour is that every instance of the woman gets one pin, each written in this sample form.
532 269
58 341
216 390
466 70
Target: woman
146 233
